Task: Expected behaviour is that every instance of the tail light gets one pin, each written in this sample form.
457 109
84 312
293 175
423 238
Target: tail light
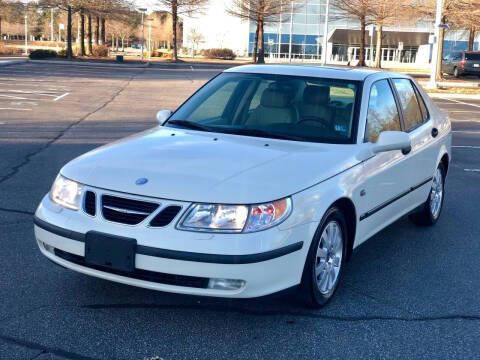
462 63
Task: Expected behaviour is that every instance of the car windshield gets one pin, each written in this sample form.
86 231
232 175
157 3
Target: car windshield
275 106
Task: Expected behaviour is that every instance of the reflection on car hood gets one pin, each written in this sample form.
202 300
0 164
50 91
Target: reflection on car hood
207 167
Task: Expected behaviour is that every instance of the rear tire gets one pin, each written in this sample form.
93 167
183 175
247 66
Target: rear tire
456 73
325 260
432 208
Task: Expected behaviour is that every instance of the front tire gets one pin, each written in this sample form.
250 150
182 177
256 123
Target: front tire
325 260
431 210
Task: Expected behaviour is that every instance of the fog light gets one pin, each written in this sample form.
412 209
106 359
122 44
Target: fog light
225 284
49 248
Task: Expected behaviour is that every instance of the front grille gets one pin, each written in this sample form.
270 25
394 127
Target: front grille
152 276
165 216
89 204
126 211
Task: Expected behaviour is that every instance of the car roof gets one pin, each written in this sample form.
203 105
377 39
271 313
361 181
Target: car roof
329 72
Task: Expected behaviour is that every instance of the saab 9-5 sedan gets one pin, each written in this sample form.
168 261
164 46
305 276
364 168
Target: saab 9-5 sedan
265 179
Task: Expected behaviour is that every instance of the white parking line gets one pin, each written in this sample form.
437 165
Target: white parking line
61 96
17 109
466 146
463 103
472 170
466 131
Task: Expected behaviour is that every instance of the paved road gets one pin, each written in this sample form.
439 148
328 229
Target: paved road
407 293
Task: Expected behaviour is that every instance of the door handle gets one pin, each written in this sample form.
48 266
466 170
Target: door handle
434 132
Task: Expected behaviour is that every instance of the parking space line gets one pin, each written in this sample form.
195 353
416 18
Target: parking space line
18 109
466 146
472 170
463 103
466 131
61 96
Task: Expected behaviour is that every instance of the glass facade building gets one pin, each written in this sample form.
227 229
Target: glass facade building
298 32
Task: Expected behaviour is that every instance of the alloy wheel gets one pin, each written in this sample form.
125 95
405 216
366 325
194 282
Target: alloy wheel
328 259
436 194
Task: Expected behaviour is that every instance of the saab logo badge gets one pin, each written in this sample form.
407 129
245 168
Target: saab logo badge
141 181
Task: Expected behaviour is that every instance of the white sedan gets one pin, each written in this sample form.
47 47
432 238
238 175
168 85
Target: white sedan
266 178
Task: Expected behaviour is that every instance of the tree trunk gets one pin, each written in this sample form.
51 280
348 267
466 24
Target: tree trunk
97 30
471 38
378 55
69 33
82 33
123 43
89 35
441 38
255 45
1 27
174 30
103 34
363 25
261 44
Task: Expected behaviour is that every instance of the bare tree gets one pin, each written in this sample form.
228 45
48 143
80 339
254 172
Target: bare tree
358 10
179 7
467 17
261 12
387 13
195 38
452 13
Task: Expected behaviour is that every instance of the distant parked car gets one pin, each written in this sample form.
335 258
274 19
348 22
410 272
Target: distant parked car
462 63
137 46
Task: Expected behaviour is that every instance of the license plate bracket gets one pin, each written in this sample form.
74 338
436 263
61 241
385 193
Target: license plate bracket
110 251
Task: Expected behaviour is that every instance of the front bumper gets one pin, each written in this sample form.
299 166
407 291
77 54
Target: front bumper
60 234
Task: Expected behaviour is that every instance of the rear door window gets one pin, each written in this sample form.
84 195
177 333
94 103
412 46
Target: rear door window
412 115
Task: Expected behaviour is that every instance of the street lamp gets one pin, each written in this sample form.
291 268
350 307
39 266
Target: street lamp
435 52
143 10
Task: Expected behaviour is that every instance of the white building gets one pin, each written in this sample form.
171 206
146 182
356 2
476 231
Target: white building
298 36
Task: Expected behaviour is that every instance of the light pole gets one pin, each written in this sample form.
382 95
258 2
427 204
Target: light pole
51 25
325 34
26 35
143 10
149 38
435 52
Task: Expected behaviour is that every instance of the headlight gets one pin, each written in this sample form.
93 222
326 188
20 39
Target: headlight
66 193
236 218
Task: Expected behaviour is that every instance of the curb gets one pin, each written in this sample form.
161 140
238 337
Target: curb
89 63
454 96
12 62
464 85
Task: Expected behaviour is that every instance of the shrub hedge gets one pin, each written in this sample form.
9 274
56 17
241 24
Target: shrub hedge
224 54
43 54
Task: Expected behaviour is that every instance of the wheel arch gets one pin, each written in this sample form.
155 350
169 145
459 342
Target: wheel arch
347 207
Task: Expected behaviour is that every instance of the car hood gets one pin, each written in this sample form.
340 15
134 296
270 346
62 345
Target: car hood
209 167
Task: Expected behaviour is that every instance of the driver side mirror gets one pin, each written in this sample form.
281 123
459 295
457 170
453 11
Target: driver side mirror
392 140
163 115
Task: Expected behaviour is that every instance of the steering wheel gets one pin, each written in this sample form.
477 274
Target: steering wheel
317 119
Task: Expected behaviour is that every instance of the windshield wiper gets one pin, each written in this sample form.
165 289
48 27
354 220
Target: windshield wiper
189 125
261 133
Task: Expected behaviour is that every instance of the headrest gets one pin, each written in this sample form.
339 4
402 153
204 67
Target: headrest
316 95
276 97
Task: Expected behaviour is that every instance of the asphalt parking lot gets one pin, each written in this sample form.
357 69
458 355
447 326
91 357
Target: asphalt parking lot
408 292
